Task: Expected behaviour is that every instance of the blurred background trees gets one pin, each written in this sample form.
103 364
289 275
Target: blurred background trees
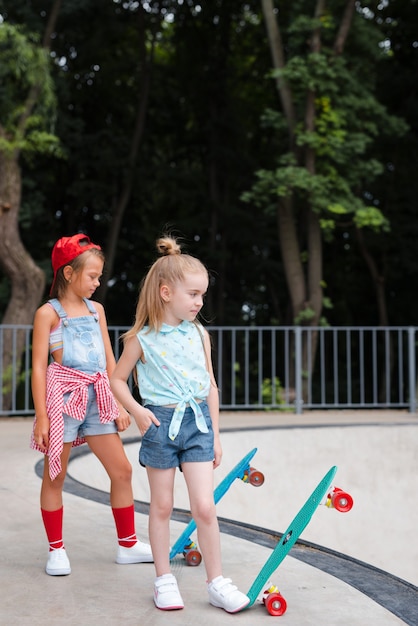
286 162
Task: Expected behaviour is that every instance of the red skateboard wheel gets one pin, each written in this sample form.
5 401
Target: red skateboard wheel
275 604
341 500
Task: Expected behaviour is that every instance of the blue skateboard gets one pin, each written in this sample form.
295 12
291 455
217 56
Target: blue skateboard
323 494
242 470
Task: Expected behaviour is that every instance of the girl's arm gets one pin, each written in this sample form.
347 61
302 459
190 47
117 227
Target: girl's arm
213 401
131 354
45 318
124 420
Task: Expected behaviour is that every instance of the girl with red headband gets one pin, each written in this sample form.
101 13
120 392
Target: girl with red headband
72 359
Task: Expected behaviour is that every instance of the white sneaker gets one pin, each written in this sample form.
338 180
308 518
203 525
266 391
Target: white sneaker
166 593
225 595
138 553
58 563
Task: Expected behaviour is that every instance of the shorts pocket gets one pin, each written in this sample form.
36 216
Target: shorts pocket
151 434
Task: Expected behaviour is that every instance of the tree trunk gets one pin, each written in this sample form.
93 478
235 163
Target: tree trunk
291 256
305 291
344 27
27 280
278 57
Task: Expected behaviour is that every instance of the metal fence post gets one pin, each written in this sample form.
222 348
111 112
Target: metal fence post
411 369
298 371
264 368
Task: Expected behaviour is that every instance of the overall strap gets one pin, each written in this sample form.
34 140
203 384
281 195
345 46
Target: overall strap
56 305
92 308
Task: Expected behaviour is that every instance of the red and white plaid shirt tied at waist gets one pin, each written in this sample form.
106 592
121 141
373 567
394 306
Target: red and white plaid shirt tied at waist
60 380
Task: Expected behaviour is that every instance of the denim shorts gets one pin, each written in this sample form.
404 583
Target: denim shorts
190 446
90 425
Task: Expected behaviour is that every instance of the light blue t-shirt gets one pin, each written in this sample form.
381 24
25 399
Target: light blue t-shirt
174 371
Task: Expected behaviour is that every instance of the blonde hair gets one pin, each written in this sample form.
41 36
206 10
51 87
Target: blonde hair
170 268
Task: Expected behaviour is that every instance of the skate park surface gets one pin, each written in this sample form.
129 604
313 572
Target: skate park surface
357 568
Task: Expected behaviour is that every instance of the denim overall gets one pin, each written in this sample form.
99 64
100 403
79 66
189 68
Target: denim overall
82 340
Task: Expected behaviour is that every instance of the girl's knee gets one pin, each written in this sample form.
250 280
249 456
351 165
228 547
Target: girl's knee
162 508
125 472
54 485
205 512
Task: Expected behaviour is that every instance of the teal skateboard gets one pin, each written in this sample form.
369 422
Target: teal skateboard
324 493
243 471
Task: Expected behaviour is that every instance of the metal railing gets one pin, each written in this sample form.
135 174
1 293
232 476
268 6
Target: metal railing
276 367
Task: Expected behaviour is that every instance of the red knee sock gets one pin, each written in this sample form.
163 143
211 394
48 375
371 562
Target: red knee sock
125 525
53 527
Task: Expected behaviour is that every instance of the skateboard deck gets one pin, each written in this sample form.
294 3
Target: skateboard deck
241 470
288 539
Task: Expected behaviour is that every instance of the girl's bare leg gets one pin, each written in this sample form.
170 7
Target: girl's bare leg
199 480
51 490
110 452
161 505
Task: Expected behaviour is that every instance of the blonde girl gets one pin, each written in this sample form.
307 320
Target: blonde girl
72 358
179 415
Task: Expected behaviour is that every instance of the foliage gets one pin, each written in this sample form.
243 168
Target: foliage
272 392
348 119
214 160
25 66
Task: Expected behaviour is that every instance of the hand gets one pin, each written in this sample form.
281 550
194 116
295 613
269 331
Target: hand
41 433
123 421
143 420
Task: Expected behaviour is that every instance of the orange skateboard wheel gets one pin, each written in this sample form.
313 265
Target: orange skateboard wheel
255 477
193 557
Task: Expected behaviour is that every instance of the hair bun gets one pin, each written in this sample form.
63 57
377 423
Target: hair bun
167 246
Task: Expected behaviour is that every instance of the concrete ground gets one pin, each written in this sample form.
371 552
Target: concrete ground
355 568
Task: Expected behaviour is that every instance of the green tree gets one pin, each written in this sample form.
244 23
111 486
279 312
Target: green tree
326 128
198 72
26 108
332 118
